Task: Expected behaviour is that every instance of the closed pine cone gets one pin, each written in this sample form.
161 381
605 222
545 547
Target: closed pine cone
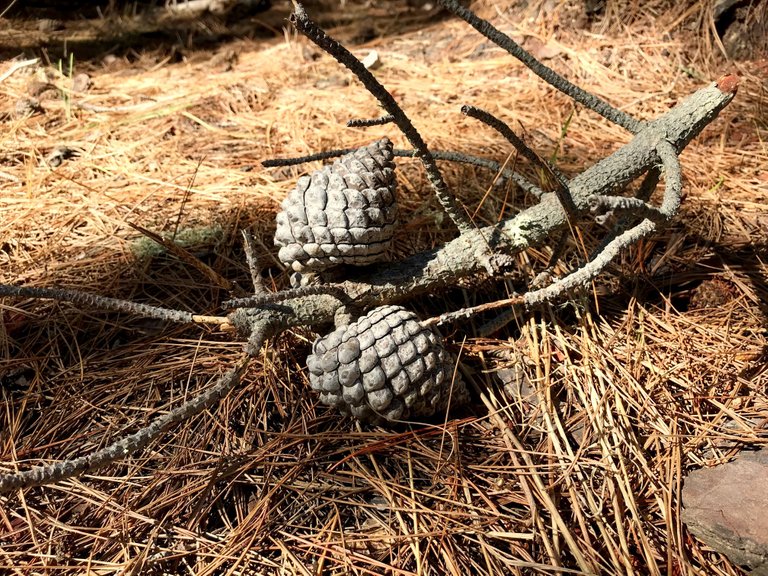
344 213
385 366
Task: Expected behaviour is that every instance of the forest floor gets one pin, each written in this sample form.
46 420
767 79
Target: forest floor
586 417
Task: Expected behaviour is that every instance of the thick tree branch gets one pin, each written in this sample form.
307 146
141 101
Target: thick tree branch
429 271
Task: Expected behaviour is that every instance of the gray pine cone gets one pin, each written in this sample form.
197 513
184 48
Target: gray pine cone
344 213
385 366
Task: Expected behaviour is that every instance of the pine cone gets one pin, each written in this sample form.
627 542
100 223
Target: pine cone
344 213
385 366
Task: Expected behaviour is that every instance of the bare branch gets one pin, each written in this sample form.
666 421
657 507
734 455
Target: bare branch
100 302
366 122
303 24
545 73
626 206
51 473
291 294
647 187
589 271
448 156
464 256
561 186
673 177
673 185
250 256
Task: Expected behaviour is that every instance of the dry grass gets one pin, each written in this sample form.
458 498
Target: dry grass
586 418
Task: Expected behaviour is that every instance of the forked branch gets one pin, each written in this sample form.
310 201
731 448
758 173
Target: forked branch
307 27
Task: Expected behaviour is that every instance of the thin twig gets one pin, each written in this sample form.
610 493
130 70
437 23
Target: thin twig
542 279
367 122
325 155
458 157
591 269
644 193
560 183
303 24
580 277
462 158
100 302
638 206
545 73
250 256
51 473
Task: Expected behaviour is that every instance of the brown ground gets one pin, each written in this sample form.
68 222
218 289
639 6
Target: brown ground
586 418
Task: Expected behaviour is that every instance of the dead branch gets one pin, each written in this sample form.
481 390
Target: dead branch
123 448
99 302
447 155
545 73
654 149
307 27
561 186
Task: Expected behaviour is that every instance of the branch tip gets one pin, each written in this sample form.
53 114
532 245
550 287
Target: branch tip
728 83
551 77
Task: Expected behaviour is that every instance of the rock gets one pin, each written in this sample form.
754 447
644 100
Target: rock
726 507
372 60
81 82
